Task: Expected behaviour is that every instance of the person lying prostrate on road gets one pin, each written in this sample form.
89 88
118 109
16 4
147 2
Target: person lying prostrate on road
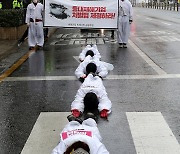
90 96
77 138
92 65
87 49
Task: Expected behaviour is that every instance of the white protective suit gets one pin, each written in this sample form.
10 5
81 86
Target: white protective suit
86 132
35 33
88 47
125 15
101 69
95 85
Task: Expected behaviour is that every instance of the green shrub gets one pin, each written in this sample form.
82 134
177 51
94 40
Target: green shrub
11 17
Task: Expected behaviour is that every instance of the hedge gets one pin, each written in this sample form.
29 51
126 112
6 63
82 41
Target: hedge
12 17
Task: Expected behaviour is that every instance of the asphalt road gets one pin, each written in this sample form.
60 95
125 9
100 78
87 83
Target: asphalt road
145 79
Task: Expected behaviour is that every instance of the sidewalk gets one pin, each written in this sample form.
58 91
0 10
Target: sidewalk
6 46
10 52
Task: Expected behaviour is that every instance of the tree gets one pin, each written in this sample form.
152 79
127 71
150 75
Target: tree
7 4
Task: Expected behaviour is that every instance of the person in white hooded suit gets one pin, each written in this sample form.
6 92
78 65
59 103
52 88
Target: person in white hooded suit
83 137
92 48
34 20
91 85
124 20
86 67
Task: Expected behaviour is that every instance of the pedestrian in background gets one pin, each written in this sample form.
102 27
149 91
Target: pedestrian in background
25 35
34 20
124 21
0 5
17 4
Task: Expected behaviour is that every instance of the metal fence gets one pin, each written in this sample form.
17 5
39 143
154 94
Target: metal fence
161 5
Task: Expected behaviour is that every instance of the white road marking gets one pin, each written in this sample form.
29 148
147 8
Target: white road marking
89 35
77 42
158 33
74 35
147 59
91 41
151 134
161 21
163 38
77 58
45 133
100 41
174 38
41 78
66 35
59 35
109 77
150 39
71 41
149 19
142 77
60 44
53 43
166 23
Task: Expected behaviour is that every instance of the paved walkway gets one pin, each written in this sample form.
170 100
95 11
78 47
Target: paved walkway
6 47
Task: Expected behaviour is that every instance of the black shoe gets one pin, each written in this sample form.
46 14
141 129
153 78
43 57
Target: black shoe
112 36
90 115
31 48
124 45
72 118
121 45
39 47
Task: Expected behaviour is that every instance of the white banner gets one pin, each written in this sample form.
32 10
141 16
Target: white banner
81 13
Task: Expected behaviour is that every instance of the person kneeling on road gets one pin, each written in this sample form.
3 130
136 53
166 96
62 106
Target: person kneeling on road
90 97
80 138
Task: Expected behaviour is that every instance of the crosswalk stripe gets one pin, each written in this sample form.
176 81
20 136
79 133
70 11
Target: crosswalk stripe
45 133
151 133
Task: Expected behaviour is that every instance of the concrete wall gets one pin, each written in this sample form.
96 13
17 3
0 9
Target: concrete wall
12 33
